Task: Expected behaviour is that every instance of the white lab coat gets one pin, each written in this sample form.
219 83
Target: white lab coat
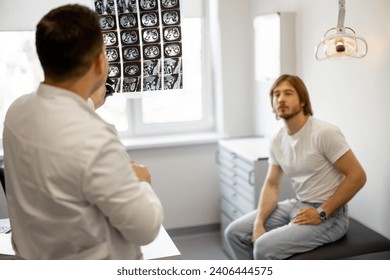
71 190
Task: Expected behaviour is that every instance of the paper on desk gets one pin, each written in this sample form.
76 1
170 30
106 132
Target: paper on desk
5 226
161 248
6 244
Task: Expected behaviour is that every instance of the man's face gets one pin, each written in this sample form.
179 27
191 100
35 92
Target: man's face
286 101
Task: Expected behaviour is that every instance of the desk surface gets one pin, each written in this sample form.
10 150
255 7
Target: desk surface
162 248
5 244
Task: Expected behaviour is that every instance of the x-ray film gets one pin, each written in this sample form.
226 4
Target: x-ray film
143 42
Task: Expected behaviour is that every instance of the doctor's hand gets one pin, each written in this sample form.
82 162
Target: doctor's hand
142 172
307 216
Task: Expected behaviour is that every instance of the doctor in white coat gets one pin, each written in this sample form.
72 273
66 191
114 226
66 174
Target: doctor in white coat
73 192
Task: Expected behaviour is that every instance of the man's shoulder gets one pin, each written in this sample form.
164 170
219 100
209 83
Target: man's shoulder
322 126
19 101
325 134
22 104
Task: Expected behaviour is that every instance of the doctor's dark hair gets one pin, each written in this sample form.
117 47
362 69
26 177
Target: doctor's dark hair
299 87
68 39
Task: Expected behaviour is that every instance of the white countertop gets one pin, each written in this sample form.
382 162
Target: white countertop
251 148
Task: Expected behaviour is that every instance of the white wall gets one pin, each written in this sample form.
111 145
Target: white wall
353 94
185 179
236 49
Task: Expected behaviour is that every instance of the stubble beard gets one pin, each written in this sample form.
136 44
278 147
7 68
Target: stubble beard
288 116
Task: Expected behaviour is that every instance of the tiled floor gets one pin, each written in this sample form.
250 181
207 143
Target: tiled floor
200 246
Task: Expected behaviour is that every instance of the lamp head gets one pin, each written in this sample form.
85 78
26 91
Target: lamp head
344 44
340 45
341 42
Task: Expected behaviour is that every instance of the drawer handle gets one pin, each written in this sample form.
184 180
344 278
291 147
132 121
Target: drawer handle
251 180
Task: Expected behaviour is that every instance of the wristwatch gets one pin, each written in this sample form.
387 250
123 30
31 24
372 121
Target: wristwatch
322 213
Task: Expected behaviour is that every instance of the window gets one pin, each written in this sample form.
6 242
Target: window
20 69
267 55
182 111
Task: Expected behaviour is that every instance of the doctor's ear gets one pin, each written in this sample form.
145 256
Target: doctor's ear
101 63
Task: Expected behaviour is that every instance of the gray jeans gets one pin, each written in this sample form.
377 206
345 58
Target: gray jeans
284 238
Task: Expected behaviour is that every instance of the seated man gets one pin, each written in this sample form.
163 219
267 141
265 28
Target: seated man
73 192
324 173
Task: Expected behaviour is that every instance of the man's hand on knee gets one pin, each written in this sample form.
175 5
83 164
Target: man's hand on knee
258 230
307 216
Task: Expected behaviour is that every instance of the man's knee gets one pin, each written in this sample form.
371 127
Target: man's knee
230 232
263 249
235 235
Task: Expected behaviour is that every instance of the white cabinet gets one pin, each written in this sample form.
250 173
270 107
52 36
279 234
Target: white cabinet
243 165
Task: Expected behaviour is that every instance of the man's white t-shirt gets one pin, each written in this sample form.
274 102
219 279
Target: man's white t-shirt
307 158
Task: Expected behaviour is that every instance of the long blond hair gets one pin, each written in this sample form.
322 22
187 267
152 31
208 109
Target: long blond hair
300 88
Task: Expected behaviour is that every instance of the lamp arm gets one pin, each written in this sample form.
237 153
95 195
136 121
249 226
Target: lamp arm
341 17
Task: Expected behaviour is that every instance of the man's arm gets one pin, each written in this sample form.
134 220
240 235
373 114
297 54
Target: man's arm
354 180
268 200
120 189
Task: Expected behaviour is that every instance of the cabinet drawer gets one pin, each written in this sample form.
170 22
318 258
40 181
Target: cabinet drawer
227 164
229 210
243 205
226 172
245 189
231 182
241 202
225 157
243 164
247 176
229 193
225 153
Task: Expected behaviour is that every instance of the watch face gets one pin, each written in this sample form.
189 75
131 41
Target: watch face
323 215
